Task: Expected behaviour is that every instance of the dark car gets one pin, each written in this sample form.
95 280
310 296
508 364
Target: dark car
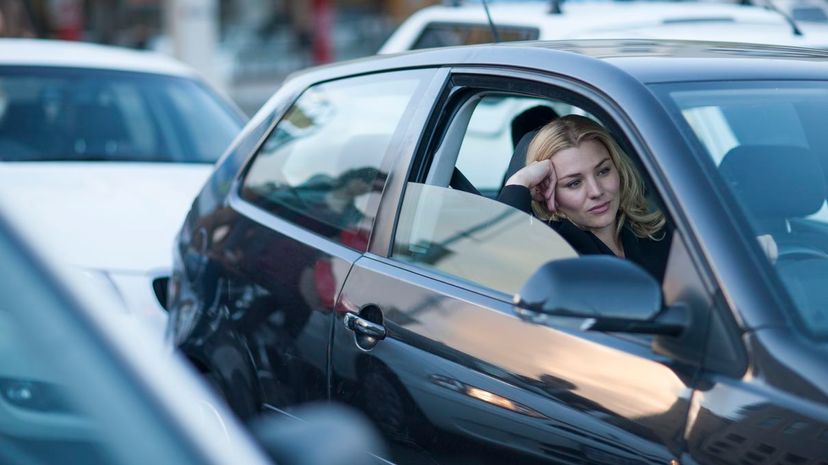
350 247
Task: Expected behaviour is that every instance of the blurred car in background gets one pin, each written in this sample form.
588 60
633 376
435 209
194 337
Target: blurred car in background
465 24
79 385
102 150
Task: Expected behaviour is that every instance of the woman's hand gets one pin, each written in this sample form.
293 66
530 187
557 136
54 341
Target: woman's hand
540 179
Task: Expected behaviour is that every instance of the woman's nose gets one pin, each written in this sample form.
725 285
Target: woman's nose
594 189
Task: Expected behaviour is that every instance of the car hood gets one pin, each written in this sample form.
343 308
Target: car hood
106 216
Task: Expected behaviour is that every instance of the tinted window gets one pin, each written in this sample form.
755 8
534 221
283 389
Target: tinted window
474 238
321 167
809 13
448 34
49 114
769 144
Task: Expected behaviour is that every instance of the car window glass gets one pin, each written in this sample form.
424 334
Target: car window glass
473 238
205 135
450 34
95 115
769 144
321 167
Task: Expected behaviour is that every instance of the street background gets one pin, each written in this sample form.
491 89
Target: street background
245 47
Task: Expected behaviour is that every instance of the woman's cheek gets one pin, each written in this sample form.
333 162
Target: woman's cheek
568 200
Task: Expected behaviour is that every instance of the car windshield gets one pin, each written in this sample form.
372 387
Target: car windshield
770 147
61 114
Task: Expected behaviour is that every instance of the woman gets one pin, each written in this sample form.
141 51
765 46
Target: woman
578 180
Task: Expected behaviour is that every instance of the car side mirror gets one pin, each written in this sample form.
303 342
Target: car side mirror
348 438
609 293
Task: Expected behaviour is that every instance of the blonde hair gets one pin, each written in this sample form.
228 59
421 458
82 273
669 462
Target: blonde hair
572 131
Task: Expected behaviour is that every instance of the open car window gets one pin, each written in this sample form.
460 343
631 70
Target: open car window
495 126
451 220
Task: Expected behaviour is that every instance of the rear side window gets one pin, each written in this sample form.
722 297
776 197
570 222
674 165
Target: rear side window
321 167
449 34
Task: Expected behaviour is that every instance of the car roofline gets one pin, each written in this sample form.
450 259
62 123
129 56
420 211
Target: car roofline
66 54
594 59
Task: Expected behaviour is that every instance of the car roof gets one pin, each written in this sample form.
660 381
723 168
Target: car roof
597 19
57 53
602 60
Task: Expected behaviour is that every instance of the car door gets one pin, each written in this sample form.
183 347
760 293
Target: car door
428 343
278 249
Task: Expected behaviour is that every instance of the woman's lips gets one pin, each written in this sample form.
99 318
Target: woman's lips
600 209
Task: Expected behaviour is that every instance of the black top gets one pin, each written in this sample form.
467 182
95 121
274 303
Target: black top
647 253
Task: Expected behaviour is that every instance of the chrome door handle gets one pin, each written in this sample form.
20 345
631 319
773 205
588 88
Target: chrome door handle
364 327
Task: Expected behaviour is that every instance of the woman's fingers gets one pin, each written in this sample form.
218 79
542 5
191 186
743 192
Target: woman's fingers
537 194
551 205
541 179
551 184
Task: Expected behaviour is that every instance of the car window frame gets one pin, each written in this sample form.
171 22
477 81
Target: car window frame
277 223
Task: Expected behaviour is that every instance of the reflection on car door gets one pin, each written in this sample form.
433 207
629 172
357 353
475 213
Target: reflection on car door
278 253
448 371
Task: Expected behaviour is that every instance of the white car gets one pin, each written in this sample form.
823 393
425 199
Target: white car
465 24
102 151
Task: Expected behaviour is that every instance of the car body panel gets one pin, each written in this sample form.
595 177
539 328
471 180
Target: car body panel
756 418
37 52
460 363
129 202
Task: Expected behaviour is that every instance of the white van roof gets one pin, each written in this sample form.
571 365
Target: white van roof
600 19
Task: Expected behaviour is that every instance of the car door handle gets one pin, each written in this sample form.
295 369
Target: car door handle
364 327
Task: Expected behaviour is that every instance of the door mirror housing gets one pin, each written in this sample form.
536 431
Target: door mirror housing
610 293
350 439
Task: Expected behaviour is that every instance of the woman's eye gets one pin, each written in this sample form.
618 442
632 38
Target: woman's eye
574 184
604 171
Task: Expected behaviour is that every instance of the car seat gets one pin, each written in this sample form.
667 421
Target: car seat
777 185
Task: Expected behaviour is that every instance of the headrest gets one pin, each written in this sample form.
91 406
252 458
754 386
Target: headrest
518 160
529 120
775 181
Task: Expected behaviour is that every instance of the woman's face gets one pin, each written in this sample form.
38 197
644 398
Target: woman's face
588 187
